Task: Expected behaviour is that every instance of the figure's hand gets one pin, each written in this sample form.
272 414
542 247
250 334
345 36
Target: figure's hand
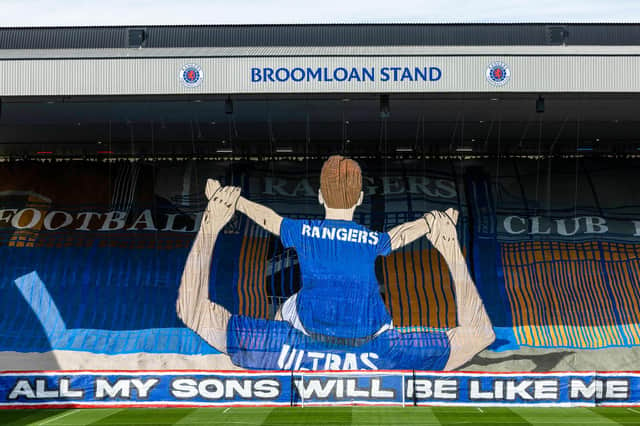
221 207
211 188
443 233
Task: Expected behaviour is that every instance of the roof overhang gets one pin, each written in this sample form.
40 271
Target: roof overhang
355 69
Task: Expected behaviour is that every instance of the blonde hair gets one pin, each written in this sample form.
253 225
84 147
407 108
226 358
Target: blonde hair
340 182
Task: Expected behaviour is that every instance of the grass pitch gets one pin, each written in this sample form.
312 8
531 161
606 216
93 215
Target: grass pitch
324 416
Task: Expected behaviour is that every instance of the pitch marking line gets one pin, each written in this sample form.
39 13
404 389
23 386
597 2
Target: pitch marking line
635 411
226 409
480 409
58 417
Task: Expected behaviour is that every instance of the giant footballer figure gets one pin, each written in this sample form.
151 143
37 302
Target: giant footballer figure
338 320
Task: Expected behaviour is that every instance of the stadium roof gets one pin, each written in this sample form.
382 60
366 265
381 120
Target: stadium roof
535 34
75 91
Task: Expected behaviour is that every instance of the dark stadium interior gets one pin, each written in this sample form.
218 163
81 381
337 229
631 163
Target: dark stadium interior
317 124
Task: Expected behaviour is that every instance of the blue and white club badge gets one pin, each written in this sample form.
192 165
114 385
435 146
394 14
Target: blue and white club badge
498 73
191 75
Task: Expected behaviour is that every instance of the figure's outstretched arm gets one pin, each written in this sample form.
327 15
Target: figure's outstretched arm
193 306
408 232
474 331
261 215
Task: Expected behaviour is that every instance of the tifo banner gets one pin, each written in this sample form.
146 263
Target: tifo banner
198 388
378 264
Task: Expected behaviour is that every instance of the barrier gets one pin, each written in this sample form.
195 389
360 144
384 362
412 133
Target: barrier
305 388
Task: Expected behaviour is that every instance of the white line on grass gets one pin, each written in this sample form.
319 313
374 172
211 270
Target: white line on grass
58 417
480 409
226 409
635 411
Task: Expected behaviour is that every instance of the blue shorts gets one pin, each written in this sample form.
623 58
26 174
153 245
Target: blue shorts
275 345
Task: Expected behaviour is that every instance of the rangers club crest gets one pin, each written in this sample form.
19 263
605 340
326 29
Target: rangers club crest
191 75
498 73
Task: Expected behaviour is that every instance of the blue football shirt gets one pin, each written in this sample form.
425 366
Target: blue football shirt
339 295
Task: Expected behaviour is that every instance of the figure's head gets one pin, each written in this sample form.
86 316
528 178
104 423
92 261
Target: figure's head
340 183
